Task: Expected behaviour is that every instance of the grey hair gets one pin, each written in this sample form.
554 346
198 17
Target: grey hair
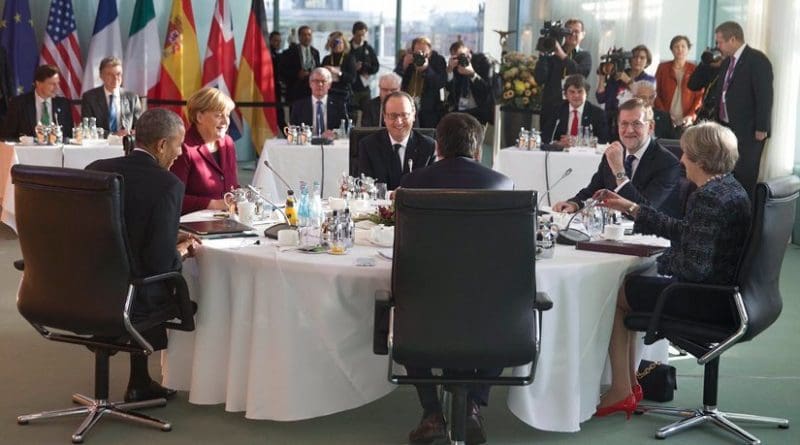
323 72
397 80
156 124
711 146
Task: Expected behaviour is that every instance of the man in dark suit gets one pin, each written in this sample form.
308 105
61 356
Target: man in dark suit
40 106
468 83
115 109
296 64
390 154
552 68
152 204
322 110
424 74
372 113
636 167
459 137
366 60
576 113
744 94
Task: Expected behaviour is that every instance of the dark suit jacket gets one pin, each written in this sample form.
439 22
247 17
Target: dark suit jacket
302 112
369 63
94 103
478 87
376 156
656 175
550 70
750 95
371 115
152 209
344 86
431 108
21 116
592 115
459 173
204 178
291 62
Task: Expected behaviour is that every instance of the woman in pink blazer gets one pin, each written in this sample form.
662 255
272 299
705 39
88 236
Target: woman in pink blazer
207 164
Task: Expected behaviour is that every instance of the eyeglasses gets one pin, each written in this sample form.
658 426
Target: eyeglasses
637 125
397 116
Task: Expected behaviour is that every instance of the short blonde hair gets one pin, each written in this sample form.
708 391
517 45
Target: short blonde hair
334 36
711 146
208 99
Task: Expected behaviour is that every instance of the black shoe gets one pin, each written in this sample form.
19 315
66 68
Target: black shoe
474 433
149 391
430 428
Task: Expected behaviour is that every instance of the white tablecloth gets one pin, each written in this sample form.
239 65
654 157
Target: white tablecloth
297 163
71 156
288 336
527 169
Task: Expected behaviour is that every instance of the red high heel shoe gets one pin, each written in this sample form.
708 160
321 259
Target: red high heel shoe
628 404
638 394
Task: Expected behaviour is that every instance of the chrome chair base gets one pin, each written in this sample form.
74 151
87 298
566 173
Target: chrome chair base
694 417
94 409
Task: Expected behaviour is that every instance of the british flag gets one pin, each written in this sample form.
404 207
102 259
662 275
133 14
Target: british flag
61 48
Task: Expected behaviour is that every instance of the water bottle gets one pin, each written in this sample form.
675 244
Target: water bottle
349 229
316 206
93 128
303 216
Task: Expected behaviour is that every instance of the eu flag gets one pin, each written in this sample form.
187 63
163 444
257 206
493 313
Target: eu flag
19 42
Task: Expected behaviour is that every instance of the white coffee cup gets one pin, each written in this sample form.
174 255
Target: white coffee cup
247 212
26 140
337 203
288 238
613 232
383 235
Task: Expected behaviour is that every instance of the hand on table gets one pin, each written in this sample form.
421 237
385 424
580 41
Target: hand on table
565 206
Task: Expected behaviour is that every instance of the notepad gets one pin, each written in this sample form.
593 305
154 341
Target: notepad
215 227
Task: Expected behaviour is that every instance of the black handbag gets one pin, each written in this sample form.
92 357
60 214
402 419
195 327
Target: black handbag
658 381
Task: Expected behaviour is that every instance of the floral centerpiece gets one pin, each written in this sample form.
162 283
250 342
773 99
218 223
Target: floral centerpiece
519 87
384 215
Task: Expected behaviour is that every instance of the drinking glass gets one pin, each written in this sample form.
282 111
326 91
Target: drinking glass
594 221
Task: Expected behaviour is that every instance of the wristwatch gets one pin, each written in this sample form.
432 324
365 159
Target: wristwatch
632 209
620 175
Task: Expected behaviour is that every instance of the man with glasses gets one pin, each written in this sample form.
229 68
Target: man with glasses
296 64
552 68
322 111
115 108
636 167
390 154
372 117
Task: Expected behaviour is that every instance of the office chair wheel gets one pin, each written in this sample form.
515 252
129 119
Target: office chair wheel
167 427
77 439
25 422
783 427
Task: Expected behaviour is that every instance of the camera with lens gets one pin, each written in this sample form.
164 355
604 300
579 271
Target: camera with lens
419 58
711 55
552 32
463 60
336 42
613 62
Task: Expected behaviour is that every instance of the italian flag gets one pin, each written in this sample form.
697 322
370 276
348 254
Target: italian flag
143 53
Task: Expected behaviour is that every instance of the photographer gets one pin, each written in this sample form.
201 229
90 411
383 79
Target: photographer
366 63
467 83
424 74
565 59
612 82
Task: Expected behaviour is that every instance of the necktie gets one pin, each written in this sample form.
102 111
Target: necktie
45 113
573 131
723 108
320 119
112 114
629 165
398 163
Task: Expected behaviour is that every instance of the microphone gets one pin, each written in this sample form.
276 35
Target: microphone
570 237
552 146
267 164
272 231
566 173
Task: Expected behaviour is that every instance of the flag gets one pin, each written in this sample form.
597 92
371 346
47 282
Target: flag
143 52
17 38
179 76
219 66
255 82
106 42
61 48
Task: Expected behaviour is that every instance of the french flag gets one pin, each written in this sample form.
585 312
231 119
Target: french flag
106 42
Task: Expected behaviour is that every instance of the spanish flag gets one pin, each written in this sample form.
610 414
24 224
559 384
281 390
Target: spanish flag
254 84
180 59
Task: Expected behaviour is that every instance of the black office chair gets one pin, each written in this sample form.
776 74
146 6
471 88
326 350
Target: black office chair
755 304
77 285
356 134
463 289
128 144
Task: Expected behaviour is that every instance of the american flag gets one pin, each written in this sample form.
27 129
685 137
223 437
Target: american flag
61 48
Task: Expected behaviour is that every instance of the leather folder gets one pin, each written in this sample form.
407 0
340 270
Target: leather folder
621 248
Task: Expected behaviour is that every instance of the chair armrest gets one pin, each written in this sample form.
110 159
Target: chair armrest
542 302
380 332
186 308
652 328
19 265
